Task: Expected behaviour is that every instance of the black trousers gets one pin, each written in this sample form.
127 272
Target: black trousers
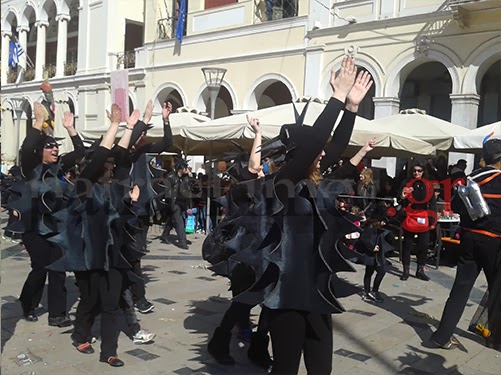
43 253
137 287
237 313
369 271
294 332
100 293
177 221
477 252
422 247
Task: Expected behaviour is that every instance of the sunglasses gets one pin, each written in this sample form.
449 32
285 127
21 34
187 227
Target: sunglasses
417 171
51 145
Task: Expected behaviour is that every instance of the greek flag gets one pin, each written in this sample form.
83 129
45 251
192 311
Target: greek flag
15 52
181 19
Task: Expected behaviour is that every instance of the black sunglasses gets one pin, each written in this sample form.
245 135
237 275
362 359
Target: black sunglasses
51 145
417 170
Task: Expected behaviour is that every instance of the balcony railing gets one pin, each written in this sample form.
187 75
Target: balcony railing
49 70
12 76
126 60
270 10
164 28
70 68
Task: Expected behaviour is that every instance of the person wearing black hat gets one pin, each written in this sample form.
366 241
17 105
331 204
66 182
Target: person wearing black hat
284 227
39 154
137 164
418 200
175 202
480 249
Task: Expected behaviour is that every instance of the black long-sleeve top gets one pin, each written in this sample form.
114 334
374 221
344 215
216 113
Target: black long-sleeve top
156 147
32 152
296 169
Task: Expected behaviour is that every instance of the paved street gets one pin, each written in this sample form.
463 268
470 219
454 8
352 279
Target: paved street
387 338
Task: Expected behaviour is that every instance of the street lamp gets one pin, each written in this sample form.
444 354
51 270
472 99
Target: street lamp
213 79
18 109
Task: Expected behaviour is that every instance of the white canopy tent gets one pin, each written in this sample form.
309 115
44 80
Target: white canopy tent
474 140
417 124
271 119
177 122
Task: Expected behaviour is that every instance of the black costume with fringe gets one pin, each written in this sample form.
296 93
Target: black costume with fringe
284 229
34 198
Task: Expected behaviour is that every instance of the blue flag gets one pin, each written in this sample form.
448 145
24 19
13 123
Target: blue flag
180 21
15 51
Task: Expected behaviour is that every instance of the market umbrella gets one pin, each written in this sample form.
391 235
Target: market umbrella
475 140
417 124
236 128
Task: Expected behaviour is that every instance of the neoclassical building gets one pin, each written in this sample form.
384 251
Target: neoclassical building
440 56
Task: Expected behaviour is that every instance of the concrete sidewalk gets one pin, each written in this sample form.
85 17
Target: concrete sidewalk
387 338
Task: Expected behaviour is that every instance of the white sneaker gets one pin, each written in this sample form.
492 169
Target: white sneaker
6 239
143 337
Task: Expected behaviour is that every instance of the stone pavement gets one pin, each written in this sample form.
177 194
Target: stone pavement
387 338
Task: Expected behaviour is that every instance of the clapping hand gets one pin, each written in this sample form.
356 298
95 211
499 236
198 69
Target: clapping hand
342 81
134 193
68 120
166 111
148 112
254 123
370 145
357 93
116 113
133 118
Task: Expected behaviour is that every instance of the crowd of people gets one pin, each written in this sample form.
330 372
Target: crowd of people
285 217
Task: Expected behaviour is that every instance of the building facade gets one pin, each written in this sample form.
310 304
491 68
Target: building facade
440 56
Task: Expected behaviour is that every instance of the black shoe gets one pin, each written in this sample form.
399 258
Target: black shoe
144 306
59 321
219 347
165 241
183 245
421 275
112 361
30 316
405 274
376 297
258 351
85 348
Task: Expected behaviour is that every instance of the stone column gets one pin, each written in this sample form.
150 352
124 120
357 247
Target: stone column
62 39
8 133
384 107
40 58
313 71
23 39
5 55
464 113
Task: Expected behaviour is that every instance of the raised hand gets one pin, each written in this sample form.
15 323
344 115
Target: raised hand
116 113
342 81
254 123
357 93
39 112
166 111
134 193
148 112
133 118
370 145
68 120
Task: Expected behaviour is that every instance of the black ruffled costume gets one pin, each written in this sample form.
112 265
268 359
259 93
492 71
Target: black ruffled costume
285 229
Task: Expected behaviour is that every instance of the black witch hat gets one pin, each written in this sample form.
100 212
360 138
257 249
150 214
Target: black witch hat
139 129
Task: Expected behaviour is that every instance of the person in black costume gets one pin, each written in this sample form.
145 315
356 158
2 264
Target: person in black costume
39 153
138 165
175 203
480 249
285 226
93 225
419 202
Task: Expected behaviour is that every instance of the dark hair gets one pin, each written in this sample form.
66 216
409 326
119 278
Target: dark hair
491 151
